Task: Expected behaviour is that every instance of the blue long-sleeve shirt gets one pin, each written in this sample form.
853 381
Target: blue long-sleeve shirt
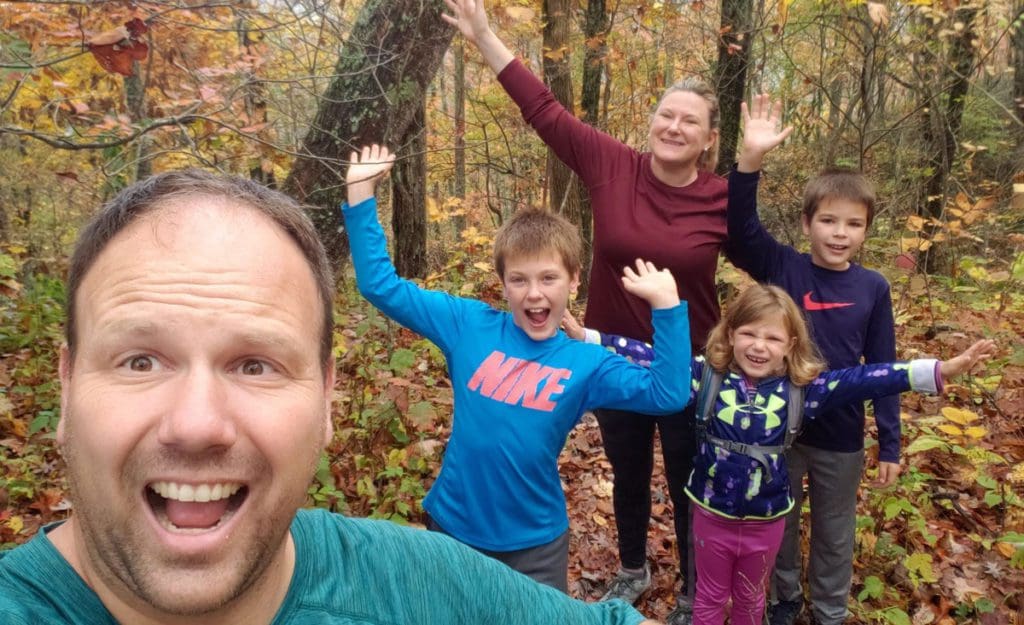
516 399
849 312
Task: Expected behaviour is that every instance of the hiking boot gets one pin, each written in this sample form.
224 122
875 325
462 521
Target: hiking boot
784 612
682 614
628 586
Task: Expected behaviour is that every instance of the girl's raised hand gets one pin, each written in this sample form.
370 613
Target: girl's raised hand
572 327
656 286
963 363
469 17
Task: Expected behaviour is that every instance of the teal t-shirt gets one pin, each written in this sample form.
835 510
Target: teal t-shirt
347 572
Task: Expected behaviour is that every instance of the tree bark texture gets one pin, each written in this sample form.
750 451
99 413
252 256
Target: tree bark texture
255 101
135 101
946 121
459 191
381 77
564 186
1017 51
409 200
731 74
595 31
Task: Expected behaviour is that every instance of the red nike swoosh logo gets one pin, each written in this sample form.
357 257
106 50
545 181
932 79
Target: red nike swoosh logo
810 304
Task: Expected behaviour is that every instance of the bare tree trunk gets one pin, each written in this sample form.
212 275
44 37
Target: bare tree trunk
946 121
731 74
459 53
135 100
390 57
563 184
595 30
409 200
254 97
566 190
871 78
1017 52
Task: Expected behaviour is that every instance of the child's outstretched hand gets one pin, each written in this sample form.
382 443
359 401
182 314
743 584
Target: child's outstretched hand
963 363
761 132
572 327
365 168
658 287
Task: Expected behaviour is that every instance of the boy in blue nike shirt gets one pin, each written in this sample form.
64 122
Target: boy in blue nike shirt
849 310
520 384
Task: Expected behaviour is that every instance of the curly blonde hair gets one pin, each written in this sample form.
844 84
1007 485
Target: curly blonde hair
803 363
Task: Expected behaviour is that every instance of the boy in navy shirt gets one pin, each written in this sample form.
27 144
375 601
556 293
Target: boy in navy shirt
849 310
520 384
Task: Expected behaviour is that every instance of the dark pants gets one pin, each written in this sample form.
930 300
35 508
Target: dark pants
547 563
629 445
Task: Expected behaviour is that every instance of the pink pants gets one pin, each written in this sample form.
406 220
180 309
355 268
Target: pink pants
734 560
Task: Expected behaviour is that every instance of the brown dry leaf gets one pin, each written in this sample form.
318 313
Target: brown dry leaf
1006 549
110 37
878 14
520 14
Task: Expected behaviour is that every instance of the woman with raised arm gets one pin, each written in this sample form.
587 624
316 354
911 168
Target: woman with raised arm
665 204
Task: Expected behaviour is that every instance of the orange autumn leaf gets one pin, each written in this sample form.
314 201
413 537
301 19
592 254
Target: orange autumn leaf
116 49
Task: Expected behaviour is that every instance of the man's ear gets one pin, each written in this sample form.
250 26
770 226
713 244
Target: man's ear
329 378
64 372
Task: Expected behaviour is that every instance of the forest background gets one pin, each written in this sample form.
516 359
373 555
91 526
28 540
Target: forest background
926 97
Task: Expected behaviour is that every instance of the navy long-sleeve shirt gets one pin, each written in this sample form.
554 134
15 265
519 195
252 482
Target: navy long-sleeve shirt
850 314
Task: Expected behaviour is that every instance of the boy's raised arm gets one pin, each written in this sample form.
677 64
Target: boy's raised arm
750 246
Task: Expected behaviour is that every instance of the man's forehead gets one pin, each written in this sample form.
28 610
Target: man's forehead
199 212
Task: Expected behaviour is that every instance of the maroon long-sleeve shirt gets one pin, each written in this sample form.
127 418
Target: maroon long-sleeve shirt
635 215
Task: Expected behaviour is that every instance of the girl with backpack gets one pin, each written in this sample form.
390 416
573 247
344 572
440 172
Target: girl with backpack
739 487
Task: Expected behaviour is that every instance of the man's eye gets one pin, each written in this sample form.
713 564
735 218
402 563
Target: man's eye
140 363
254 367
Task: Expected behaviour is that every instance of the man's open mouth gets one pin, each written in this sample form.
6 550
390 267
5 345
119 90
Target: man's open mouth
183 507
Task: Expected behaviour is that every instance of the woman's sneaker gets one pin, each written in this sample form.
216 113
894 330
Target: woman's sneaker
628 586
682 614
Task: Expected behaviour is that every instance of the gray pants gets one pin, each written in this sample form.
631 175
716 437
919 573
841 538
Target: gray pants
833 478
547 563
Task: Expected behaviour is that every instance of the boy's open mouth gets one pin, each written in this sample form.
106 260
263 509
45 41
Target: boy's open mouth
538 316
195 507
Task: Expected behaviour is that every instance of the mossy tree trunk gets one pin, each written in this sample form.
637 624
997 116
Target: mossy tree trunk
409 200
565 191
731 74
379 86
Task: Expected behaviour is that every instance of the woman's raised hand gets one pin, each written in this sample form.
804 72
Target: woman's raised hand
469 17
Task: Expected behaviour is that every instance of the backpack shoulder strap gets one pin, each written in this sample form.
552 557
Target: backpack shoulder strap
795 416
710 383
